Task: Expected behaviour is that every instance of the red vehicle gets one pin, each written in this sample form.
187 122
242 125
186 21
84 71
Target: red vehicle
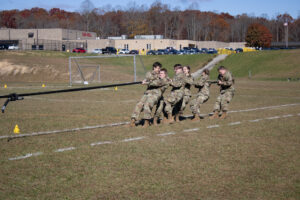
78 50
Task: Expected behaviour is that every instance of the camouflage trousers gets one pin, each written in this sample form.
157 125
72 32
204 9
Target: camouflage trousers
223 101
139 107
149 104
145 104
185 102
175 97
159 108
196 103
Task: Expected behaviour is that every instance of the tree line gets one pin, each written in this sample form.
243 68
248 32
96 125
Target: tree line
158 19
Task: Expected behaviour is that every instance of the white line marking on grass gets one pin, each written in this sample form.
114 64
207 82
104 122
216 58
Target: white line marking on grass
26 156
65 149
100 143
234 123
275 117
213 126
133 139
255 120
285 116
191 130
166 134
123 123
63 131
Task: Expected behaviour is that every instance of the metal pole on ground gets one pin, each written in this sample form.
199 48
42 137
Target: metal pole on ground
134 65
70 71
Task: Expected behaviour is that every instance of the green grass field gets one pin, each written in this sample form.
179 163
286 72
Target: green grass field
253 154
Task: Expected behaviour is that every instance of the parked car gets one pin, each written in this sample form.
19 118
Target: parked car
109 50
151 52
204 50
3 47
186 48
182 52
99 51
239 50
173 52
196 50
134 52
212 51
124 51
13 47
162 51
79 50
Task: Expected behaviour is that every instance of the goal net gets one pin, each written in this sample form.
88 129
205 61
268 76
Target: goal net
106 69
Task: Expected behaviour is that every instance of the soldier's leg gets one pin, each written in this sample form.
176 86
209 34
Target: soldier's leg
193 106
226 98
159 108
170 102
217 107
138 108
185 101
148 105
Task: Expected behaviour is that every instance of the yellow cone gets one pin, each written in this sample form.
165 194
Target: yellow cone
16 130
116 88
5 86
43 85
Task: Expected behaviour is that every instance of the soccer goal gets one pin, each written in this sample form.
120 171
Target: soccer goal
106 69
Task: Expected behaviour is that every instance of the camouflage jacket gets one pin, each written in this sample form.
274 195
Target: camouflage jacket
203 85
189 81
227 82
153 81
165 82
178 82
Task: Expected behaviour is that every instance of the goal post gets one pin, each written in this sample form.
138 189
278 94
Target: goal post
105 69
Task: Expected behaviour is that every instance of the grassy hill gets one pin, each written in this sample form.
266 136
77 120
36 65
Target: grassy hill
264 65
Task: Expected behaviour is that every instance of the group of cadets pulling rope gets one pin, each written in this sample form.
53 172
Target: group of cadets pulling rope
171 107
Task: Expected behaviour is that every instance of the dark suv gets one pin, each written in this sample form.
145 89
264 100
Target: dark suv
109 50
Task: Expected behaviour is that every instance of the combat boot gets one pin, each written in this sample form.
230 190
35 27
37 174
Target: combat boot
146 123
215 115
155 120
132 123
224 115
196 118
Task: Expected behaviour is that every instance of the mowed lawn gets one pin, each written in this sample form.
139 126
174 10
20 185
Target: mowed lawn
238 159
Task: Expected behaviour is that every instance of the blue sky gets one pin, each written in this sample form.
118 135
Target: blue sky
233 7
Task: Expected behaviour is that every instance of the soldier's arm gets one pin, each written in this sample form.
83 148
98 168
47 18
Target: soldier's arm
177 82
228 80
149 77
157 83
189 80
200 82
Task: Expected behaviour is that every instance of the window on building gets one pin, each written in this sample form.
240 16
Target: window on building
30 35
126 46
148 46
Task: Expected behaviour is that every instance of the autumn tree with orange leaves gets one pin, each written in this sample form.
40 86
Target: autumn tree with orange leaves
258 36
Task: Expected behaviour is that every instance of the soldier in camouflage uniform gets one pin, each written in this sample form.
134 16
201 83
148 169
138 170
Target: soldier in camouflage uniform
177 92
157 86
203 94
150 78
161 104
189 80
225 81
